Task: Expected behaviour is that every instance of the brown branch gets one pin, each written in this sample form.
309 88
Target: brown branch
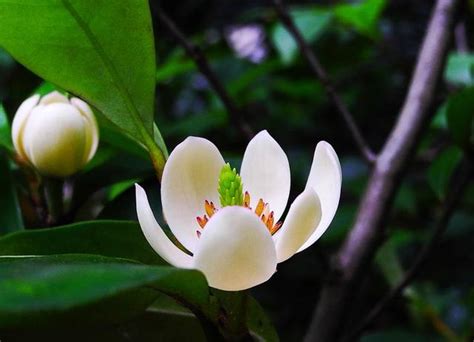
364 238
459 184
323 77
196 54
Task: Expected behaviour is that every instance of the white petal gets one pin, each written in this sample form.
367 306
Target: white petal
155 235
190 176
235 251
302 219
92 129
54 97
19 121
265 173
325 178
54 139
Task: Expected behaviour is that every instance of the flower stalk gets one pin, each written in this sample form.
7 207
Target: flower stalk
53 192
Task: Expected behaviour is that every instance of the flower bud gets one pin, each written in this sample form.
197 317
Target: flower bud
57 135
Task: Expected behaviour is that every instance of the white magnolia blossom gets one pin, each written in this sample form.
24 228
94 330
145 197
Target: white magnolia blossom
57 135
239 246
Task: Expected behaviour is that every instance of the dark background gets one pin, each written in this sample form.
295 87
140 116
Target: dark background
371 69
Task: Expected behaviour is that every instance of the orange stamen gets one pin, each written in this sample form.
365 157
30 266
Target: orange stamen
262 210
260 207
269 222
202 221
210 208
247 199
276 227
266 210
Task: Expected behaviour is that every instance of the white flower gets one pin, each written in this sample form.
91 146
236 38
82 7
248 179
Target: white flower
57 135
239 246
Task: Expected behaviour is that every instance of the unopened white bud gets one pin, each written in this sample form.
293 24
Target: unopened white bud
57 135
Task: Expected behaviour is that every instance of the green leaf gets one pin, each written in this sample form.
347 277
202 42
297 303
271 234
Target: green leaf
363 16
159 141
258 323
239 86
79 46
45 88
93 290
122 240
397 335
10 213
441 170
439 120
388 262
112 135
5 132
460 116
175 65
459 69
311 22
119 239
150 326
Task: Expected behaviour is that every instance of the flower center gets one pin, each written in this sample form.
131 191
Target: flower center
230 193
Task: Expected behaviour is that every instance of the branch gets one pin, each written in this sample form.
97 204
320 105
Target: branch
460 36
459 182
323 77
196 54
364 238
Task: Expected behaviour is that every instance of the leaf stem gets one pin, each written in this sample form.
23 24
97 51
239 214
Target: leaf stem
156 154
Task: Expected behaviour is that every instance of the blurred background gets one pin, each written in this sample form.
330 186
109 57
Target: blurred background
369 48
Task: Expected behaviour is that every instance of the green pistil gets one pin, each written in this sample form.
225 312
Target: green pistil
230 187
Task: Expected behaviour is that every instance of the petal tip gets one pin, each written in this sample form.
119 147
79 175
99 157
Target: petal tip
52 97
263 134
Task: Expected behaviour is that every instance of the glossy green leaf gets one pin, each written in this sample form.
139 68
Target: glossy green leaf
46 88
363 16
441 170
93 289
5 132
111 134
459 69
10 213
397 335
460 116
78 46
97 290
310 21
119 239
159 141
150 326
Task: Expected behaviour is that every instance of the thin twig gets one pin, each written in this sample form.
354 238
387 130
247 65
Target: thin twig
196 54
459 184
323 77
460 35
366 234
